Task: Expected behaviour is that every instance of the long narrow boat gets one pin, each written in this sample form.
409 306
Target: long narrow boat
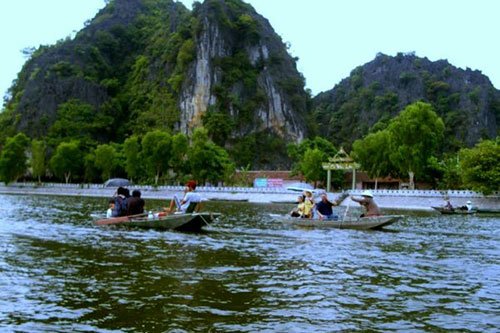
179 222
362 223
447 211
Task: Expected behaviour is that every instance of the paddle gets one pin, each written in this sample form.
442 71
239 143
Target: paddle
347 209
120 219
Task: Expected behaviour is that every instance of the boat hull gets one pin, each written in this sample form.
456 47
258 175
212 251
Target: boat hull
363 223
178 222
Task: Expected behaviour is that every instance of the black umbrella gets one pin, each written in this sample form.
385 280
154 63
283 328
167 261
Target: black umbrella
113 182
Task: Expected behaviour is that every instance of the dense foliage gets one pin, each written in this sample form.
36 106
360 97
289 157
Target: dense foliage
108 103
416 134
67 161
308 157
38 159
480 166
405 146
157 157
130 69
375 93
13 160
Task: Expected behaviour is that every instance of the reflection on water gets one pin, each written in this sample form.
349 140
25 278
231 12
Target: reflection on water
245 273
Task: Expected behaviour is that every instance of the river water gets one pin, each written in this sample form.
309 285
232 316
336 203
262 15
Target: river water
246 273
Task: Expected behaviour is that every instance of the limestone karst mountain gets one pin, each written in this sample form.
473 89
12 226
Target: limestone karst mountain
147 64
378 90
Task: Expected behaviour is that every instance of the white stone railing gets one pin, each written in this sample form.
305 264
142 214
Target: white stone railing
382 192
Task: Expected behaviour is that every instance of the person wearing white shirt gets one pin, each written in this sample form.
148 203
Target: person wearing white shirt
189 201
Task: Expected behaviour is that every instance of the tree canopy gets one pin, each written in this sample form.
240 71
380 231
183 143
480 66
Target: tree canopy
67 160
105 160
373 153
208 162
13 160
156 152
38 160
132 150
480 167
415 135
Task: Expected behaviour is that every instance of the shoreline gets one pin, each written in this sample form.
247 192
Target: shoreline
411 200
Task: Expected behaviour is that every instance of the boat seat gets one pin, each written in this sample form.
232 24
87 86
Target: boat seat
193 207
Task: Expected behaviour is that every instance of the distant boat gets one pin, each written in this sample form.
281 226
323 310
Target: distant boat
488 211
300 187
447 211
228 199
193 222
283 201
362 223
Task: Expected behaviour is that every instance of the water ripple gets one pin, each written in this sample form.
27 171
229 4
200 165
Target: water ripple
245 273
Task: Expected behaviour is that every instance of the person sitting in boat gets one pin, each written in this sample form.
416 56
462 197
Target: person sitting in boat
308 204
135 204
324 208
448 205
468 206
299 210
109 212
369 204
189 202
121 196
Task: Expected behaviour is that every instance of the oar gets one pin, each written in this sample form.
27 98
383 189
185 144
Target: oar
119 219
347 209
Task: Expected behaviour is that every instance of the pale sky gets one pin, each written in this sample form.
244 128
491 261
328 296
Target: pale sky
330 37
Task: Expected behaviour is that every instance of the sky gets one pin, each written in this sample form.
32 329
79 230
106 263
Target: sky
330 37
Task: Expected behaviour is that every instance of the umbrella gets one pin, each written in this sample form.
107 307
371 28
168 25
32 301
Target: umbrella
113 182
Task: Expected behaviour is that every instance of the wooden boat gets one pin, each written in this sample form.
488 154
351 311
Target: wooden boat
362 223
488 211
447 211
192 222
229 199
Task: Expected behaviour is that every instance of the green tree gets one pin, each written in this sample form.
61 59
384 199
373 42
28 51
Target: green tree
105 160
178 159
244 151
297 151
91 173
156 146
311 165
13 160
208 162
67 160
77 120
480 167
132 151
444 173
218 124
373 153
38 162
416 133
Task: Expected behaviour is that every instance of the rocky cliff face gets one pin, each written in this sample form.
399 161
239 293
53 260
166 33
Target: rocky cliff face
378 90
91 68
153 64
229 29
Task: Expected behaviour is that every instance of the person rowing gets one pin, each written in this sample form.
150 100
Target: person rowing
369 204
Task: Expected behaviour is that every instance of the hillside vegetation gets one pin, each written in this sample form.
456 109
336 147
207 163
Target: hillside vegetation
158 93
